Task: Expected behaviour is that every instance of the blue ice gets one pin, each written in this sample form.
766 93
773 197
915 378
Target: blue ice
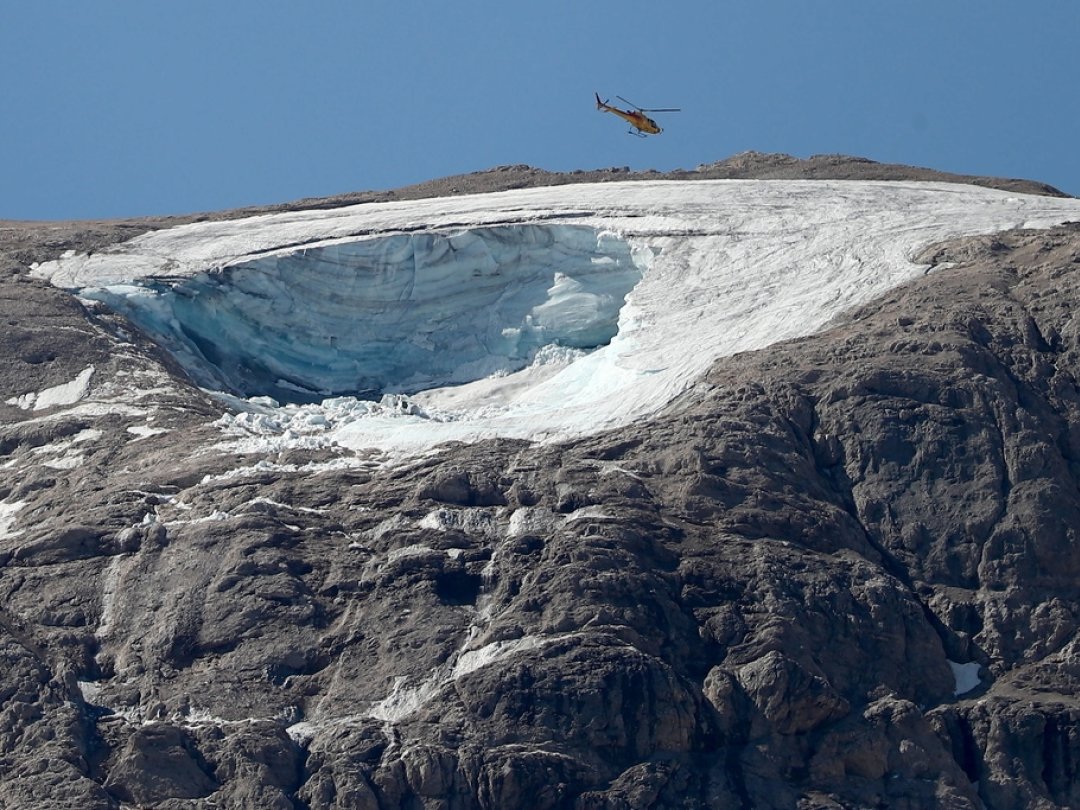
387 314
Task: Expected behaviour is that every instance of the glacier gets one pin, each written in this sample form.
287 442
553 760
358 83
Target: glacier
542 314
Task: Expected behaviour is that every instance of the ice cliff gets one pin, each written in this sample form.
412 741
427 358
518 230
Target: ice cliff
395 313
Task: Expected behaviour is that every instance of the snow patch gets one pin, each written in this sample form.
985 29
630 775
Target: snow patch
531 520
145 431
263 467
302 733
471 521
90 409
64 394
472 660
204 717
8 512
589 513
404 700
66 462
66 449
966 676
279 505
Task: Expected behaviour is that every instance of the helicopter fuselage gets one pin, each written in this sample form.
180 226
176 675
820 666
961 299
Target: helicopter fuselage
639 121
635 117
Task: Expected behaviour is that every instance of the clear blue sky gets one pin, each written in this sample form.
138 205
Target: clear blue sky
129 107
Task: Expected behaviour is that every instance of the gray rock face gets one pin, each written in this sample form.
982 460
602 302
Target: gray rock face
762 598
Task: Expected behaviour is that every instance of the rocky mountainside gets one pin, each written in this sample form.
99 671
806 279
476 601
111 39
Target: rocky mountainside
839 573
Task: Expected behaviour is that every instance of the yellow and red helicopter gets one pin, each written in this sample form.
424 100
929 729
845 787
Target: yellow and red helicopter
635 117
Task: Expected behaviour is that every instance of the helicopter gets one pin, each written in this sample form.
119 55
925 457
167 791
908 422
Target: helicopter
635 117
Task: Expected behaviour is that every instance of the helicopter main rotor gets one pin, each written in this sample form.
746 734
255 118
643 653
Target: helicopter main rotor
648 109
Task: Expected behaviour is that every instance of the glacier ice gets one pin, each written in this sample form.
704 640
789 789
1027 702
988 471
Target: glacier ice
676 274
394 313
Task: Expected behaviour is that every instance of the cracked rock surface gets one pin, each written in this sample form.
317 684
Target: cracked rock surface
768 596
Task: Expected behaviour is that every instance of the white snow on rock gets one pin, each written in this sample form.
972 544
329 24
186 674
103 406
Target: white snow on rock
145 431
65 454
404 700
472 660
966 675
64 394
474 522
531 520
8 511
540 314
